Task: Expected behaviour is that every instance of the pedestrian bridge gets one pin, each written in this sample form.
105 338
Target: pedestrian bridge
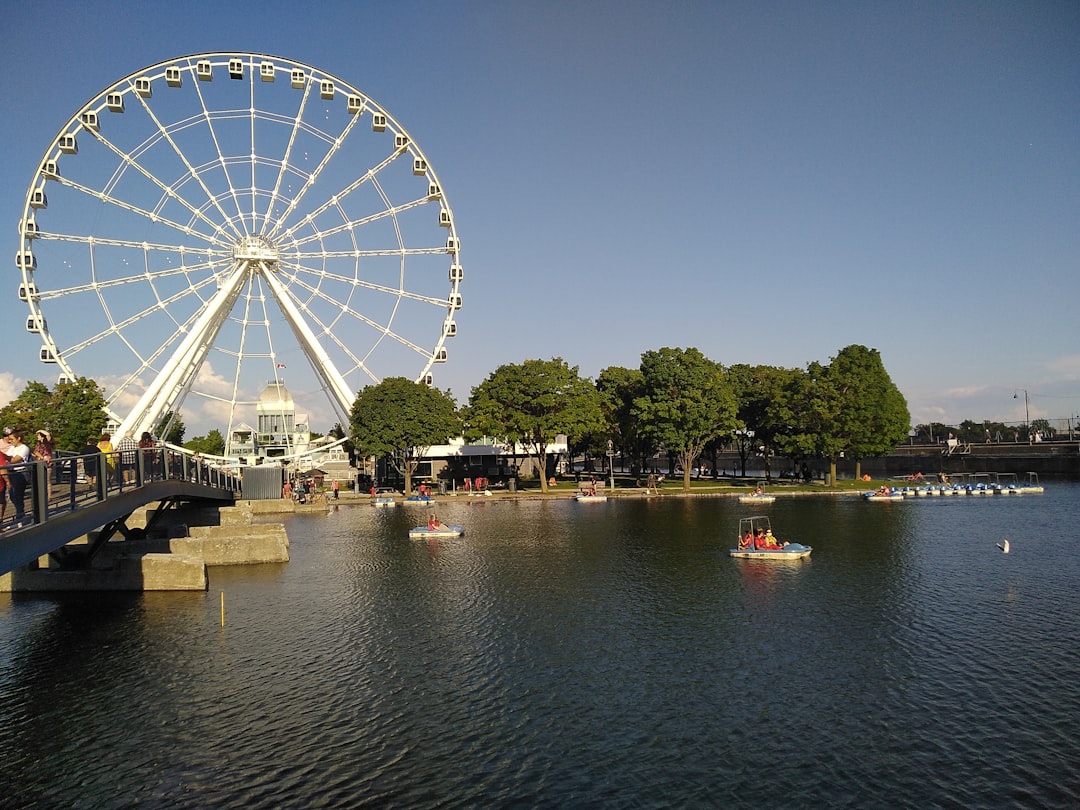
62 502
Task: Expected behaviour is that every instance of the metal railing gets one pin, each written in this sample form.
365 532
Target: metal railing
34 491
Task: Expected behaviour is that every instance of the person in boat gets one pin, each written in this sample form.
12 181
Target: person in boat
771 542
760 490
434 524
746 540
759 539
884 490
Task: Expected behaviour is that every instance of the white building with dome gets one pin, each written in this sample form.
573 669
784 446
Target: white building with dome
279 431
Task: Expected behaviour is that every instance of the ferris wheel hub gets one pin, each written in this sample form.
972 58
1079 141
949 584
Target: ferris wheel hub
254 249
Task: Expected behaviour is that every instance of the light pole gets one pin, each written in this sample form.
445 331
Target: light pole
1027 414
611 464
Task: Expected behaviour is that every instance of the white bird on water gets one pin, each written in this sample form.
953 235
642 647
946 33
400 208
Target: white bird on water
1004 546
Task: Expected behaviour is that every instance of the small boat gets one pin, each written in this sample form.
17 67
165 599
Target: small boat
588 497
883 494
442 531
1007 484
1032 484
757 496
745 547
420 500
383 498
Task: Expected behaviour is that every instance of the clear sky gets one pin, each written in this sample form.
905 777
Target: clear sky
766 181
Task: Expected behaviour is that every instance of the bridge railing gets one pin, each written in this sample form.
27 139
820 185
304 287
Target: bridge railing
34 491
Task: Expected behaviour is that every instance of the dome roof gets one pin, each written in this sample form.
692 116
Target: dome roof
275 397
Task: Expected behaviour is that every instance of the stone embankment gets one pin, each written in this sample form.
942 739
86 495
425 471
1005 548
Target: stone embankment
175 556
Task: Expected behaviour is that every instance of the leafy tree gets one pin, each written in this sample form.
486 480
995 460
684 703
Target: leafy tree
532 403
212 444
72 413
28 410
686 401
401 419
864 412
764 408
77 413
618 388
171 429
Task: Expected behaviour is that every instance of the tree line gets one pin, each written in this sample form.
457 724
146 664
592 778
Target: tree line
678 402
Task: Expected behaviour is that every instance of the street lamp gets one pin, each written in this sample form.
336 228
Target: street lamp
611 464
1027 414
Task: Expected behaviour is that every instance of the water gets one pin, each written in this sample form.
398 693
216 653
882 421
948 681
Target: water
573 655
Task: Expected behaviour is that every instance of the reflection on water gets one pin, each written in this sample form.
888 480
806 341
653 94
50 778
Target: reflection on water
565 654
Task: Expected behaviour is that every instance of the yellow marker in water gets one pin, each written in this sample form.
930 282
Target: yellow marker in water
223 608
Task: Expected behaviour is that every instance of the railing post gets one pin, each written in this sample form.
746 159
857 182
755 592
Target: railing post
39 501
140 466
102 478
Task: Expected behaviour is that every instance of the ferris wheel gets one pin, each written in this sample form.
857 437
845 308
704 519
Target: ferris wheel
210 223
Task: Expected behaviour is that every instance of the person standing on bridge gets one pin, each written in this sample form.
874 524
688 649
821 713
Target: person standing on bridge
17 453
105 447
127 447
44 450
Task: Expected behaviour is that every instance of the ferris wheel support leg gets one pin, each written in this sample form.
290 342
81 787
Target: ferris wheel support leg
160 394
324 366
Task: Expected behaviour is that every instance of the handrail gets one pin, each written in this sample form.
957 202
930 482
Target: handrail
72 481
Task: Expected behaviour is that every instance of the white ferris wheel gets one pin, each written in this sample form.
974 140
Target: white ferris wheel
210 223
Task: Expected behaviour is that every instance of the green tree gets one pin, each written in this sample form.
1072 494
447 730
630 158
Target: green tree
532 403
686 401
170 429
618 388
401 419
872 416
29 410
762 393
72 413
212 444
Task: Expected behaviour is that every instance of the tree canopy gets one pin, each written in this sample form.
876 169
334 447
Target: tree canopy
532 403
401 419
72 412
686 401
212 444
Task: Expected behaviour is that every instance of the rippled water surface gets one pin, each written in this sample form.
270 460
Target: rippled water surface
574 655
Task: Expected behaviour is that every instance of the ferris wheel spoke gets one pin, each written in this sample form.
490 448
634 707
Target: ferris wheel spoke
309 183
119 326
168 191
396 292
352 224
210 196
345 191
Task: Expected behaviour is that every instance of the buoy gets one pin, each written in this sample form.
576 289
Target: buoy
1004 546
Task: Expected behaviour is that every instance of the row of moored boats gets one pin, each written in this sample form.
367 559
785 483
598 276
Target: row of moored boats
961 484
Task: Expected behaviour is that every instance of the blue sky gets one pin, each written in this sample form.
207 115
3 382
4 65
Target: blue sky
767 182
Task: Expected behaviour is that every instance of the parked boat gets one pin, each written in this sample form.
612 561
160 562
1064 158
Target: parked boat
1032 484
588 497
384 497
443 530
755 541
